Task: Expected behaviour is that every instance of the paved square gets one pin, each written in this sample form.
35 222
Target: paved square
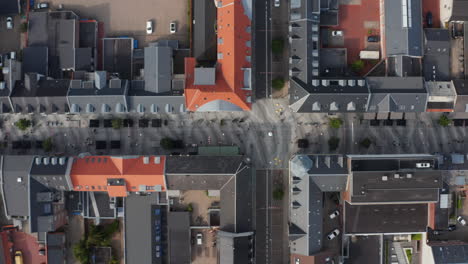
128 18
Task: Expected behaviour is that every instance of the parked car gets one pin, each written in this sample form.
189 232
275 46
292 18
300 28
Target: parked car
423 165
334 214
333 234
452 227
461 220
373 39
172 27
199 239
429 19
42 5
18 257
337 33
149 27
9 23
277 3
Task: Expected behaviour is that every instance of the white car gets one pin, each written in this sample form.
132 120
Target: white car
423 165
9 23
149 27
334 214
199 239
173 27
337 33
277 3
333 234
42 5
461 220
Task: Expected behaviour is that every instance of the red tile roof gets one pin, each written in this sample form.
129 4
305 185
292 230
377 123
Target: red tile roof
92 173
232 28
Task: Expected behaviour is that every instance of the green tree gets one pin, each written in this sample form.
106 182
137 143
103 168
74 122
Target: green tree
24 27
117 123
333 143
277 46
444 121
48 145
23 124
365 143
278 193
335 122
189 207
81 251
167 143
357 66
277 83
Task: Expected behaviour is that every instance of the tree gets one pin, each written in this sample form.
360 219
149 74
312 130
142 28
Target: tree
365 143
277 83
333 143
81 251
117 123
167 143
357 66
189 207
24 27
335 122
48 145
278 193
277 46
23 124
444 121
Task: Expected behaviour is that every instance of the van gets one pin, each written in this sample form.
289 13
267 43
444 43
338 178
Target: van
199 239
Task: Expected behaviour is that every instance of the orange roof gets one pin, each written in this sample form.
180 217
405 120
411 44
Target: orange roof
232 28
92 173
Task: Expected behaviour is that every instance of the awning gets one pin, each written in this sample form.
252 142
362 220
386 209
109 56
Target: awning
382 116
396 115
410 116
369 116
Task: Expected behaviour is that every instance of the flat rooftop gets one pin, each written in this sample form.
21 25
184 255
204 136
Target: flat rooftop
364 249
387 218
117 56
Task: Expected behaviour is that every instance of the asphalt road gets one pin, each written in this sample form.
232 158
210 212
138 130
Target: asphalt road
262 48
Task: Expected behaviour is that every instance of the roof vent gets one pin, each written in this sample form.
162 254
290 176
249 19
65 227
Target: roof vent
409 175
146 160
38 161
157 160
46 161
384 178
397 176
62 160
53 160
19 179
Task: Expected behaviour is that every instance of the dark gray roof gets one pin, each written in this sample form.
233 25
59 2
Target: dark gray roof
42 213
138 227
9 7
364 249
437 54
84 59
450 254
458 10
397 94
235 248
203 164
403 28
40 88
88 34
204 36
117 56
146 102
189 181
99 205
179 237
53 174
15 192
55 247
36 59
158 69
461 86
385 218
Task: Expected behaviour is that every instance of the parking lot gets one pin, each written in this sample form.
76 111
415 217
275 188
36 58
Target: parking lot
128 18
10 38
206 253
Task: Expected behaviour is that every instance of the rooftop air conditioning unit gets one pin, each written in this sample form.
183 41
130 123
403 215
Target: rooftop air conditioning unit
409 175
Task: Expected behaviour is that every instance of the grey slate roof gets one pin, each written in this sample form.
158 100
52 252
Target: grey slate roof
203 165
9 7
397 94
155 103
204 36
138 226
55 247
234 248
403 28
158 69
436 54
386 218
179 237
15 193
450 254
36 59
459 8
54 174
117 56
